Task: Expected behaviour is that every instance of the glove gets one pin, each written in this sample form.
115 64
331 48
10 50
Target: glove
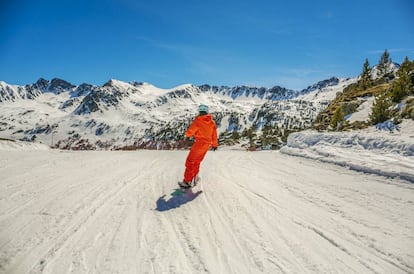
187 143
213 148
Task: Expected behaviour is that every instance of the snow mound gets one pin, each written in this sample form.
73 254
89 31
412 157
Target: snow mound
373 151
11 145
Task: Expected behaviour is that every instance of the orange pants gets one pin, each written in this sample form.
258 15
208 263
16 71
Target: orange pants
194 158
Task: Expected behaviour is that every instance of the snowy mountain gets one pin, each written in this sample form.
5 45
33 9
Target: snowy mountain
120 114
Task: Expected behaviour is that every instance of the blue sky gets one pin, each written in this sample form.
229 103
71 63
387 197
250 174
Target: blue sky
167 43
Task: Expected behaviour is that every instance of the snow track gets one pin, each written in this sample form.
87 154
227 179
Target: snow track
112 212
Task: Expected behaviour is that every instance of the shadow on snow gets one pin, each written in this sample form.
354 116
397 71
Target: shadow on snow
178 198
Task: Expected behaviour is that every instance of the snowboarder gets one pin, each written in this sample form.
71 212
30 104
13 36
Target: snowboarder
204 130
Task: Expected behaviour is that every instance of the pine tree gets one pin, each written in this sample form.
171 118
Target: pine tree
406 64
270 137
401 88
365 80
250 134
385 58
383 63
338 119
381 108
403 85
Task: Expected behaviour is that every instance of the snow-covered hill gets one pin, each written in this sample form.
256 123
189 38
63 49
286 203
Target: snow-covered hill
58 113
266 212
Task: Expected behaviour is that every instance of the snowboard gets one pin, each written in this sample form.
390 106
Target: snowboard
181 190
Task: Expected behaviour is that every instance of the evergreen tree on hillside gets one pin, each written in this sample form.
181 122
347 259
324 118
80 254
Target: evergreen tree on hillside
406 64
270 137
338 119
408 68
250 134
381 108
384 63
365 80
403 85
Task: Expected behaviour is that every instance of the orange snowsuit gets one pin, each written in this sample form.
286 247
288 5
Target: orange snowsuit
204 129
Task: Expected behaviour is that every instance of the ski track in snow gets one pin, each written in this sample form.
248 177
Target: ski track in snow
266 212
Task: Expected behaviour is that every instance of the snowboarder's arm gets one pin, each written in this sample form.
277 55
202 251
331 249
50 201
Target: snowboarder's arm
192 129
214 141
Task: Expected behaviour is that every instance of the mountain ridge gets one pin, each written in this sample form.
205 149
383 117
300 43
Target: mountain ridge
139 114
57 86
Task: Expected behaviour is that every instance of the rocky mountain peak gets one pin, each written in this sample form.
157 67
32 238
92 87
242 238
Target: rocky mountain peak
41 84
333 81
58 86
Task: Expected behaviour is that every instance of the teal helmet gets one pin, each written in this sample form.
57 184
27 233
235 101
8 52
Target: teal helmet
203 108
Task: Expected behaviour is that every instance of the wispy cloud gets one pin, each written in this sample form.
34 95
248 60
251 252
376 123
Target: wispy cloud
217 66
327 14
392 50
291 78
201 60
183 49
156 43
281 31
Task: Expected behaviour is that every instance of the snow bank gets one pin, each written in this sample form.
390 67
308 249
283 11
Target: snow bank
374 151
11 145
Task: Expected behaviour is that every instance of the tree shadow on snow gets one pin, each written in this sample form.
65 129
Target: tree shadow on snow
177 199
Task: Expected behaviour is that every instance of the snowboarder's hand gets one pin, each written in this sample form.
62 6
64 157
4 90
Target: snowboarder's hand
188 142
213 148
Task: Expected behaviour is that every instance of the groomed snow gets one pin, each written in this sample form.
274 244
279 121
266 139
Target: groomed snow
262 212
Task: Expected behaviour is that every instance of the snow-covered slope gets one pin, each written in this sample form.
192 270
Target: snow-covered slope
326 91
112 212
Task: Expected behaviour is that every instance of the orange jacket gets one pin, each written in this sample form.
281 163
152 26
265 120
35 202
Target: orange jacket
204 129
